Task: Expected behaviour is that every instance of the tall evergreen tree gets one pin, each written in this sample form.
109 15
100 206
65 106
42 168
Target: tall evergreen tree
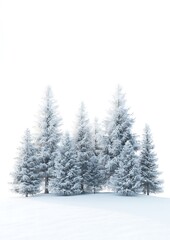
127 177
67 180
149 169
118 131
26 174
84 147
48 138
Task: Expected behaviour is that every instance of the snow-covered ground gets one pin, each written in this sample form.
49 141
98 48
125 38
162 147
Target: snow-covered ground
101 216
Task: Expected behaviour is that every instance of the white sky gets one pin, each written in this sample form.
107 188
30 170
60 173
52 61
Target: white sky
83 49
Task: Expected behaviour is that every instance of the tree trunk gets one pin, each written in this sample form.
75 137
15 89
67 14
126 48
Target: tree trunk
147 188
82 188
26 195
46 185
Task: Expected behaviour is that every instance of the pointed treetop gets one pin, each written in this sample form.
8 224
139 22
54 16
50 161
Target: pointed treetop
119 97
48 92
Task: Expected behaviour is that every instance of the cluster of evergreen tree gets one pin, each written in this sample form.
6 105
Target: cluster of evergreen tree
92 159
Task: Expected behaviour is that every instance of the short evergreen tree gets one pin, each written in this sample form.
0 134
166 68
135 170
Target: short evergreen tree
84 148
118 131
26 178
105 162
149 169
97 175
67 180
48 137
127 178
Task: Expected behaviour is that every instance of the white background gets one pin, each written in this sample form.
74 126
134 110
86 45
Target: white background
83 49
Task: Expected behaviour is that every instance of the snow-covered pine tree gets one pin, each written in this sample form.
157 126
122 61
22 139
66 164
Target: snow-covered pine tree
105 160
126 180
84 147
26 178
118 131
67 180
48 137
97 175
150 181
